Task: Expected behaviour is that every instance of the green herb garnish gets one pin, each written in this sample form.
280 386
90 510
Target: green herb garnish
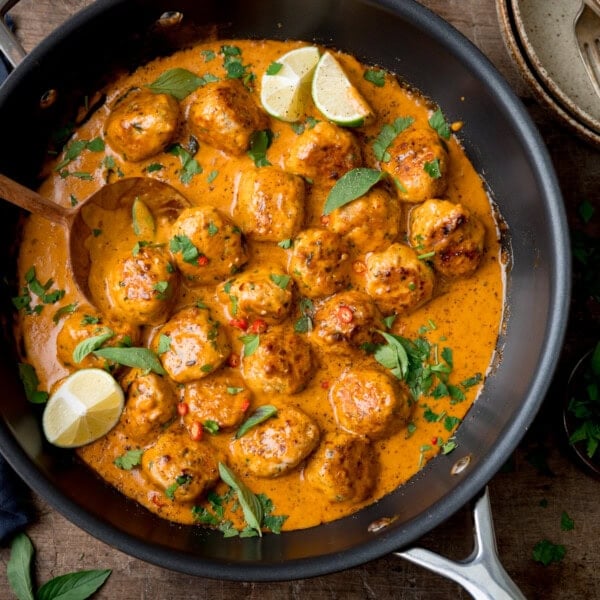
140 358
387 135
31 383
439 123
375 76
261 414
260 141
350 186
131 458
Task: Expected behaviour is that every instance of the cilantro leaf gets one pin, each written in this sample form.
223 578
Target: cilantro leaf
387 135
132 458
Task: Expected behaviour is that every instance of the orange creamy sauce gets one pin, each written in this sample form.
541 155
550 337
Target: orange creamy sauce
467 312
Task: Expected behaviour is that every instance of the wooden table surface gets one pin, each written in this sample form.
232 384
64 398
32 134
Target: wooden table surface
528 496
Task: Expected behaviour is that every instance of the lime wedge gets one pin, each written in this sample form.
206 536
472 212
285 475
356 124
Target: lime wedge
285 86
85 406
335 96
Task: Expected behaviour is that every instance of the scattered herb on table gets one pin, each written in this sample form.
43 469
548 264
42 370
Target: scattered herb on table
78 585
584 405
546 552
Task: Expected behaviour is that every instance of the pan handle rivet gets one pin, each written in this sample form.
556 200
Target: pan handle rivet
48 98
170 18
460 465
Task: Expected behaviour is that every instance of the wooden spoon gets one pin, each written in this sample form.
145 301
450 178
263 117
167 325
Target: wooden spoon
161 199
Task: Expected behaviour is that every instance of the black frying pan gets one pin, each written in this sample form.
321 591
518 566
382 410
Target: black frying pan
502 143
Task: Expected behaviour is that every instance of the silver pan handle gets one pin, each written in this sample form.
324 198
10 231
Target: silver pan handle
481 574
10 47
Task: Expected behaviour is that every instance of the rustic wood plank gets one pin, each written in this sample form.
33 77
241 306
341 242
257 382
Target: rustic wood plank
527 504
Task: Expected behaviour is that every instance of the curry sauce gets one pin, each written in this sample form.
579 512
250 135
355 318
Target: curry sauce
325 358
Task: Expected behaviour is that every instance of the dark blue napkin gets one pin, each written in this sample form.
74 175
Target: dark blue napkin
15 502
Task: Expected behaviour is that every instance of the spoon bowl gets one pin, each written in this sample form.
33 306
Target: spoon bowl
161 198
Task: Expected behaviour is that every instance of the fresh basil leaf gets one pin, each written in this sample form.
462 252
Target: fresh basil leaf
387 135
164 343
439 123
261 414
73 586
251 506
393 355
90 344
251 343
140 358
260 141
177 82
30 383
131 458
350 186
96 145
18 568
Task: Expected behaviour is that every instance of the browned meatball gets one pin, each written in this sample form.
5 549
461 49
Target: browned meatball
191 345
324 153
183 468
222 397
319 263
282 362
207 245
398 280
151 403
142 124
450 231
142 286
371 222
346 319
370 402
263 292
277 445
225 115
344 468
418 165
85 323
270 204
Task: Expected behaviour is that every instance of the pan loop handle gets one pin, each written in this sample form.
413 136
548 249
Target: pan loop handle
10 47
481 573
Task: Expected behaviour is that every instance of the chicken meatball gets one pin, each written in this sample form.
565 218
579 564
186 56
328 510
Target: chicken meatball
222 398
225 115
369 402
418 165
319 263
281 363
324 153
185 469
191 345
258 293
348 318
277 445
142 286
369 223
398 280
207 245
270 204
142 124
83 324
344 468
151 404
450 231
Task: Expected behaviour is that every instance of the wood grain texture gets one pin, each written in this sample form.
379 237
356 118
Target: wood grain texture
528 496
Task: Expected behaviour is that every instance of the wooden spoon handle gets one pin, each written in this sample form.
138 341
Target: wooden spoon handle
23 197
